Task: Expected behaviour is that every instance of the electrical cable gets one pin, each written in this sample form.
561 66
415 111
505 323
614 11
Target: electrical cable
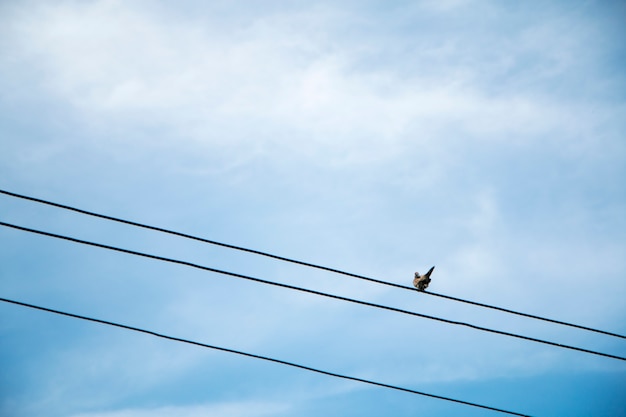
306 290
251 355
302 263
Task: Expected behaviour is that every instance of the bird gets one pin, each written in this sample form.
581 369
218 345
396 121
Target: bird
421 281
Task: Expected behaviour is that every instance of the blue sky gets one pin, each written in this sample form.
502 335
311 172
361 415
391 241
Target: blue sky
381 138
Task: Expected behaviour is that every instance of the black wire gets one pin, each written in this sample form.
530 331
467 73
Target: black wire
251 355
324 268
306 290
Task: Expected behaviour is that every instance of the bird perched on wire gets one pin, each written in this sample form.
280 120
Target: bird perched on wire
421 281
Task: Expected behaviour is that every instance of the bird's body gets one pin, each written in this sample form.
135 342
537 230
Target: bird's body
421 281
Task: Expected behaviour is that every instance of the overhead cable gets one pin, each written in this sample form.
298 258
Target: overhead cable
306 290
307 264
251 355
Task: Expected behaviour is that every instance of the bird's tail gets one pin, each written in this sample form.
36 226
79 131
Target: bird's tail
430 271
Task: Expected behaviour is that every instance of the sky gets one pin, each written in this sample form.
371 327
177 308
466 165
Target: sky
377 137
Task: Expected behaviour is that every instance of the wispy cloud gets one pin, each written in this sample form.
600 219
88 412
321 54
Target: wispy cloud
275 78
253 409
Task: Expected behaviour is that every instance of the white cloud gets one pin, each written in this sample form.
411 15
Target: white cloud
247 409
272 78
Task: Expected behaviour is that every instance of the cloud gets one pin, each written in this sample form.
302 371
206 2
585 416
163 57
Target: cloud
249 409
271 80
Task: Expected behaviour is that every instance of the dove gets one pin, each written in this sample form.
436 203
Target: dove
421 281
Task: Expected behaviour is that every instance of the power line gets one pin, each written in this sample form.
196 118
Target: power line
306 290
307 264
251 355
